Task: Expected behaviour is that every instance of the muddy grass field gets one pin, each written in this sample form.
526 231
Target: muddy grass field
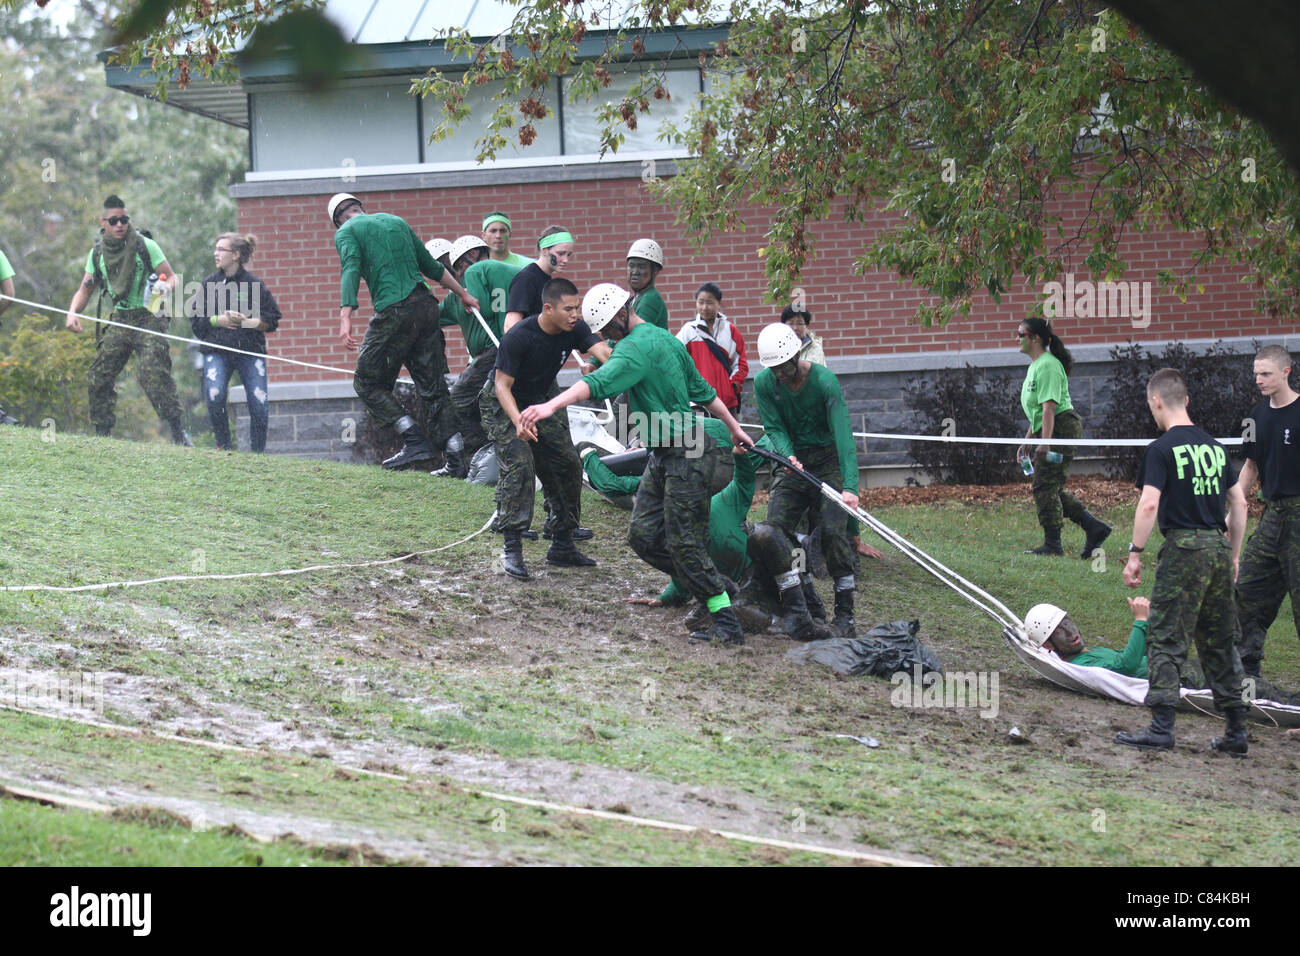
419 711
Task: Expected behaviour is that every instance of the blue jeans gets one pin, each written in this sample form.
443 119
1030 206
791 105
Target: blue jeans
217 369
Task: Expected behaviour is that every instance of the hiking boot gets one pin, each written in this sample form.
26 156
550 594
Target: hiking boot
578 534
753 618
1097 532
842 624
1234 742
179 435
1159 736
726 629
797 623
697 619
564 553
454 463
1051 543
416 447
811 598
512 556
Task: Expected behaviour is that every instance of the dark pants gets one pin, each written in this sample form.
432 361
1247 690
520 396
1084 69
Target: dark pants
1053 502
406 333
552 459
1192 603
794 497
464 398
153 367
217 370
1270 569
670 518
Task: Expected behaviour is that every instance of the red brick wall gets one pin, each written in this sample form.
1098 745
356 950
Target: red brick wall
854 314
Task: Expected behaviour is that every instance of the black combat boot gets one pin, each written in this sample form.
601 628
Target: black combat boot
1051 543
103 431
842 624
512 556
566 554
578 534
797 623
179 435
1097 532
416 445
1234 741
1159 736
811 598
726 628
454 464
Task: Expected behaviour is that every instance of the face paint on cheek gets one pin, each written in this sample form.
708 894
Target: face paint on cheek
555 261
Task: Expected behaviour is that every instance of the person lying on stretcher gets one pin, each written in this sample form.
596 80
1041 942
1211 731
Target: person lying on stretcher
1053 630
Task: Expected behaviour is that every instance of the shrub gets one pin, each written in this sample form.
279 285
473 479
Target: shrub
1220 386
965 401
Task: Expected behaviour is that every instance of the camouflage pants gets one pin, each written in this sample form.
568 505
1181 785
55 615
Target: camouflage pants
792 498
670 518
407 334
464 399
1192 602
552 459
153 367
1053 502
1270 569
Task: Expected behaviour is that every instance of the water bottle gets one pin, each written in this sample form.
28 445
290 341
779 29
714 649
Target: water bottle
1027 465
1055 457
152 298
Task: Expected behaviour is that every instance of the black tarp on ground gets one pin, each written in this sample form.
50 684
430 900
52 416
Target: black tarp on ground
882 651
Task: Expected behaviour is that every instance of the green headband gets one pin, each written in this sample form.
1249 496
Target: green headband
554 239
496 217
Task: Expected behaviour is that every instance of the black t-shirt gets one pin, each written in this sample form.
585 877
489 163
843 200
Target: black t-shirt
1191 470
525 294
1276 448
534 357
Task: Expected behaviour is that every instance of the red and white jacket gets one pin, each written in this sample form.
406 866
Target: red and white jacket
708 348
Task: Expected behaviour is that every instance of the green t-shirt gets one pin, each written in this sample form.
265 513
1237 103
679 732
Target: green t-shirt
6 270
661 381
1044 382
649 305
812 417
383 250
135 298
515 260
489 282
1132 661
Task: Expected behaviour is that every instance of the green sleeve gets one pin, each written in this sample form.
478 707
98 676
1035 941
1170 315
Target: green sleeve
674 595
623 370
155 253
1130 661
451 311
605 481
90 263
6 270
837 415
350 262
427 263
768 412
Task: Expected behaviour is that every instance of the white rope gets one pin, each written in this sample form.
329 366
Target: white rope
982 440
178 338
285 572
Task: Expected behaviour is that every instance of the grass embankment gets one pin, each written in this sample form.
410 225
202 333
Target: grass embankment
443 668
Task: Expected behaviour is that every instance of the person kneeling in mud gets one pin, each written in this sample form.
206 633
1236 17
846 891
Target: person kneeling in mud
729 546
1053 630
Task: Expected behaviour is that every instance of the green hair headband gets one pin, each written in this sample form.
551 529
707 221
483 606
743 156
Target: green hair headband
554 239
496 217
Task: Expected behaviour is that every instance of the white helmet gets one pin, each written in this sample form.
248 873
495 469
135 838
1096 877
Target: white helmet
463 245
601 304
1041 621
777 344
338 199
438 247
647 249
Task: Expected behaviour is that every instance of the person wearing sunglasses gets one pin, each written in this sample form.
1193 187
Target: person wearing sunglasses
120 265
1045 397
